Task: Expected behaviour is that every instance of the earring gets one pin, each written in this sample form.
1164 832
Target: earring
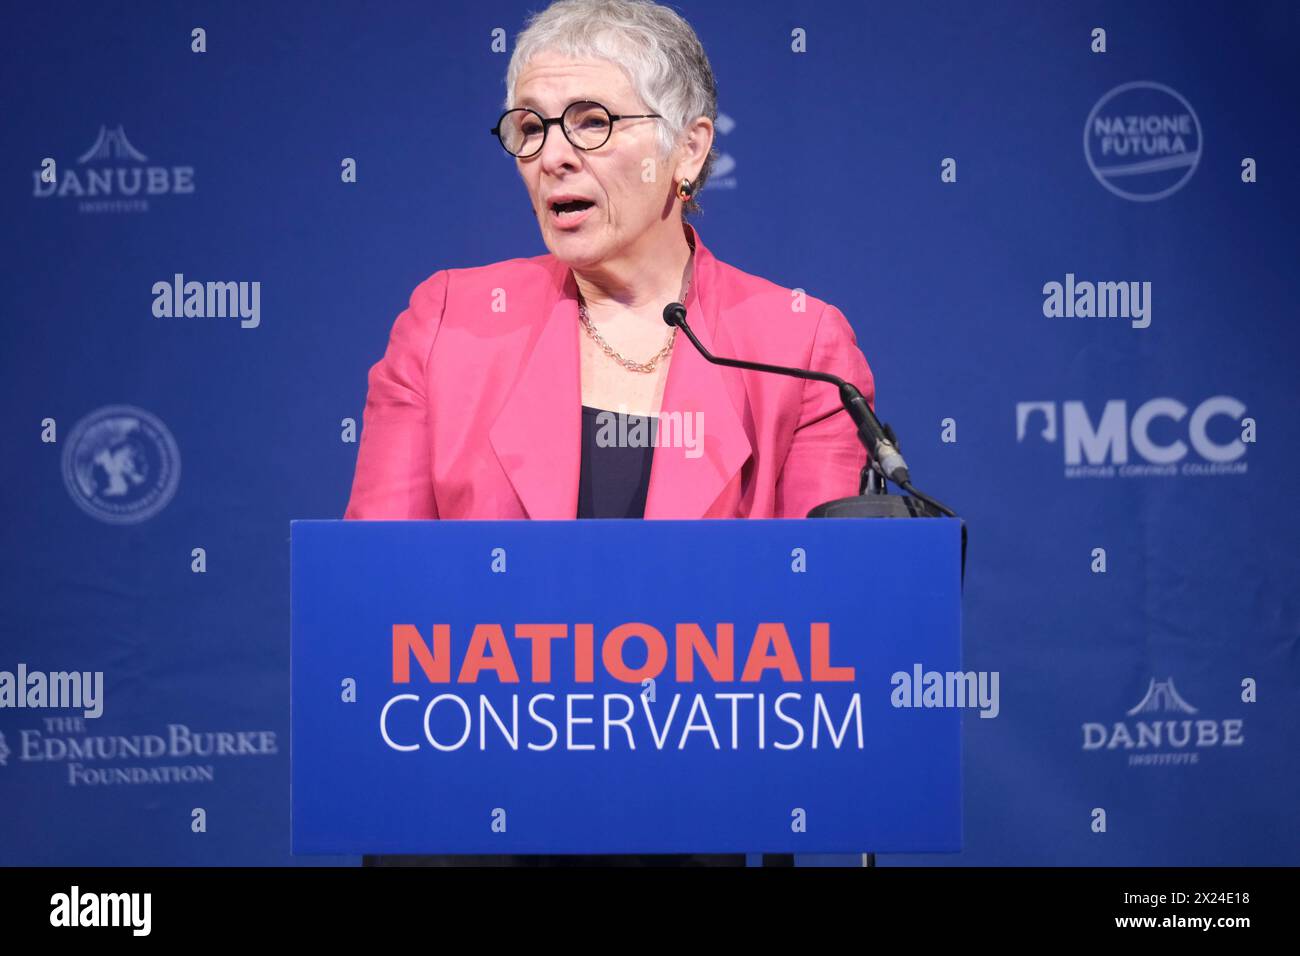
685 190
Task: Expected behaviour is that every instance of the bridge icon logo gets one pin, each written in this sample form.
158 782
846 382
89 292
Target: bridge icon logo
1162 696
112 144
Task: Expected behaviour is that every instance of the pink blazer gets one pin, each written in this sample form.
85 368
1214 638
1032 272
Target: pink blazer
475 409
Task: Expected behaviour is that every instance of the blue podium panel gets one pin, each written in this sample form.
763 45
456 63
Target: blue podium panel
626 686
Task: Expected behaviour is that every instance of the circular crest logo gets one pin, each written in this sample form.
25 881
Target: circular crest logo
1142 141
121 464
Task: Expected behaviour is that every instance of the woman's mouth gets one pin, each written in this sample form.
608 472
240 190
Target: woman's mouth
568 215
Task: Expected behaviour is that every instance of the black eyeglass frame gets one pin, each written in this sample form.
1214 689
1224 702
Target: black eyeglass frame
559 121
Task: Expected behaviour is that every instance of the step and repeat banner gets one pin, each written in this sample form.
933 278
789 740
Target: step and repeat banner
1064 235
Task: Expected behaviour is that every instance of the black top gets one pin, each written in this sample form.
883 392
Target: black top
617 451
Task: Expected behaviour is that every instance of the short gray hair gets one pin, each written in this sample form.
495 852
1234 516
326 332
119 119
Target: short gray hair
651 43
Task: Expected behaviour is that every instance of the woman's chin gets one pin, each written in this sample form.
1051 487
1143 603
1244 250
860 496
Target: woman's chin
573 249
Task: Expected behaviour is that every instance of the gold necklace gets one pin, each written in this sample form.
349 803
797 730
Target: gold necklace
623 360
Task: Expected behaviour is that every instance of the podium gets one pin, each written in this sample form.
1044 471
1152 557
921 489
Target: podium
623 686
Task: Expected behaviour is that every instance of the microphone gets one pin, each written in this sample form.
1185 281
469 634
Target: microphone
885 457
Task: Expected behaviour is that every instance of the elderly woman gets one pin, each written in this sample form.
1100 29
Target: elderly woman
550 387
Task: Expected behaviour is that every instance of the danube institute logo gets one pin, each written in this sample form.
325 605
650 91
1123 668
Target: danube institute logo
1163 732
111 176
121 464
1142 141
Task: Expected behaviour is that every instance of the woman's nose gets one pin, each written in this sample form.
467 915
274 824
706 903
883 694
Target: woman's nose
557 152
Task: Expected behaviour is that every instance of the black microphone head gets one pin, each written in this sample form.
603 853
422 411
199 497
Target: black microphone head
674 314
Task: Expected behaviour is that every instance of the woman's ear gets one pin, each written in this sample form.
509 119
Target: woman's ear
698 142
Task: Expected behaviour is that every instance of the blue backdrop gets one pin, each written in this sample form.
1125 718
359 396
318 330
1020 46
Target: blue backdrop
928 168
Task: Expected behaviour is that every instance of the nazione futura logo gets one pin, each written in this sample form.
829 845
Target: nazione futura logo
111 176
1143 141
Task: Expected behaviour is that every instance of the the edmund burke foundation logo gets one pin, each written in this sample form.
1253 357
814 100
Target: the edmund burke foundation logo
111 176
1142 141
1164 729
171 755
121 464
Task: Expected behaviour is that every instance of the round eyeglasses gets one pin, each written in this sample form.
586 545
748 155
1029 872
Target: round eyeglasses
586 125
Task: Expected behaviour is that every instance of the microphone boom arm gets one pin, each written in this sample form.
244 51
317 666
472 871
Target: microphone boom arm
885 458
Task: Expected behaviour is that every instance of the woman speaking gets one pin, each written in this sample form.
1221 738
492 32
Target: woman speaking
488 400
550 387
